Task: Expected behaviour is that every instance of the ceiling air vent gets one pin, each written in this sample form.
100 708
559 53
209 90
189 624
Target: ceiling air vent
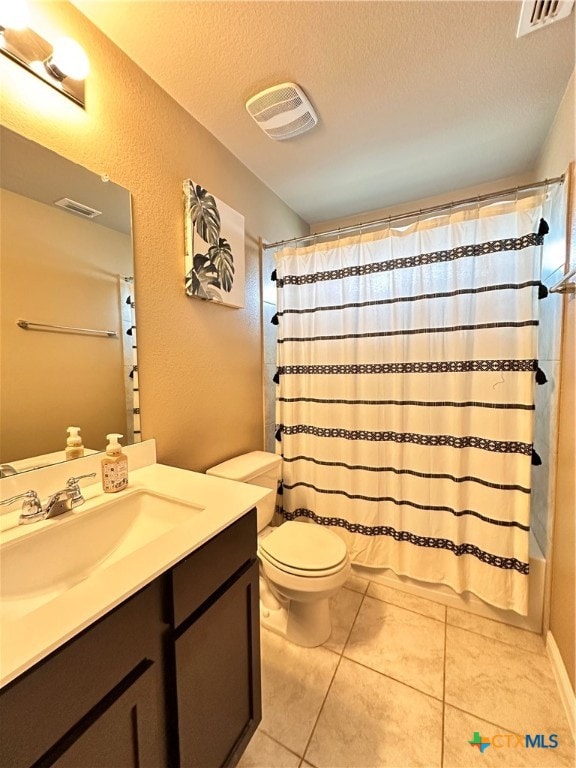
536 14
79 208
282 111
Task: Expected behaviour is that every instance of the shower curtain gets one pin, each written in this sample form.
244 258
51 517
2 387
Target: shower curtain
405 395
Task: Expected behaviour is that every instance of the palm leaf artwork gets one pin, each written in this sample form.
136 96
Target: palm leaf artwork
204 213
212 271
221 257
202 278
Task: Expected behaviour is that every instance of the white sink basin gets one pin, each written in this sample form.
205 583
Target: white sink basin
37 567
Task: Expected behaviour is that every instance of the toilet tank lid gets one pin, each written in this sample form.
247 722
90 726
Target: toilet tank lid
246 466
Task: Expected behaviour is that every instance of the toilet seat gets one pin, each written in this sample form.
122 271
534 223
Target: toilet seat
311 553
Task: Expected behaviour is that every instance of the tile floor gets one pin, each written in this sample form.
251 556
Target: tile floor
406 682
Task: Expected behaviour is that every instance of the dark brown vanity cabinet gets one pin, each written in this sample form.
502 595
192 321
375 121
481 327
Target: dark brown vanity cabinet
216 649
171 677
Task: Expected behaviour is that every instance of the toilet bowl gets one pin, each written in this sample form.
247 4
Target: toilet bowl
301 564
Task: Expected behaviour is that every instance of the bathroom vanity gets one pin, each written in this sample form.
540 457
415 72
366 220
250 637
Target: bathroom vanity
168 676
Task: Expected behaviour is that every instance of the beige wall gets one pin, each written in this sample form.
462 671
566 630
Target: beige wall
60 269
200 364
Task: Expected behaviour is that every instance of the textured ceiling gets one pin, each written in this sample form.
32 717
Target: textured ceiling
414 98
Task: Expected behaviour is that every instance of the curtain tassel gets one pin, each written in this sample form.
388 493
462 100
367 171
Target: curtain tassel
276 377
278 434
275 320
540 376
274 275
542 291
543 229
536 460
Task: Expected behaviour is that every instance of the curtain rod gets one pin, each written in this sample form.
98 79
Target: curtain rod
419 212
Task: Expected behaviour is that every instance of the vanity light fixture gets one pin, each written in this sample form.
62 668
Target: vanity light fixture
64 65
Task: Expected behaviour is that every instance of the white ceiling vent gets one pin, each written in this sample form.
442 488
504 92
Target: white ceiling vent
536 14
282 111
79 208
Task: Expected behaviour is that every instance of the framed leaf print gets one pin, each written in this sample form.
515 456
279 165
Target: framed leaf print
214 248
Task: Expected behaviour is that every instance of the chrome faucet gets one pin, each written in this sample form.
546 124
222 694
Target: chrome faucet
7 470
60 502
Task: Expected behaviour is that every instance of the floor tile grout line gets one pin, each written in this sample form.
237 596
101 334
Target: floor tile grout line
366 666
352 625
497 639
444 688
500 622
332 680
402 607
321 708
395 679
275 740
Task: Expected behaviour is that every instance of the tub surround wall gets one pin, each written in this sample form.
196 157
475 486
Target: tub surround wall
200 364
559 614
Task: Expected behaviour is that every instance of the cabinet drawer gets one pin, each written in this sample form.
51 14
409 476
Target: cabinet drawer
197 577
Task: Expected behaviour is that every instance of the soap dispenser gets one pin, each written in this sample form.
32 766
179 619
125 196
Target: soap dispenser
74 447
114 466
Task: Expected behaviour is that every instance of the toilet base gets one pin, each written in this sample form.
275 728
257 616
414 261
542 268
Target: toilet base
305 624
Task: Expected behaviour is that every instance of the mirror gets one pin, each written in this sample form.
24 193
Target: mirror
66 275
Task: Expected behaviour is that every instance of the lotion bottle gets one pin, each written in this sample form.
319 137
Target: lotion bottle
74 447
114 466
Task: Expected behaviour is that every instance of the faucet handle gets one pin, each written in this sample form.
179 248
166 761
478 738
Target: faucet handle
31 496
31 506
73 483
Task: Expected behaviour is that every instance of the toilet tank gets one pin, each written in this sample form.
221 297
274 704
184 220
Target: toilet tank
257 468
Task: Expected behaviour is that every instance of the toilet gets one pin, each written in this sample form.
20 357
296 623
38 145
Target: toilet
301 564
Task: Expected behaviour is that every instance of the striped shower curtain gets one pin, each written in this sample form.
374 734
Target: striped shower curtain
405 395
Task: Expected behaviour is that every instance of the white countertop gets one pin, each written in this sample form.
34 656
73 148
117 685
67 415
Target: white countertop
34 635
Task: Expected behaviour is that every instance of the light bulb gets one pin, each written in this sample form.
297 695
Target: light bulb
68 60
14 14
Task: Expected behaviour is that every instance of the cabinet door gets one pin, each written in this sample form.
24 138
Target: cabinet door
218 677
124 735
52 703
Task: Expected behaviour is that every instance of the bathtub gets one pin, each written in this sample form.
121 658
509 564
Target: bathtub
467 601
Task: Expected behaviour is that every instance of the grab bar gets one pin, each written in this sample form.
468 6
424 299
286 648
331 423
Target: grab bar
564 285
29 325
